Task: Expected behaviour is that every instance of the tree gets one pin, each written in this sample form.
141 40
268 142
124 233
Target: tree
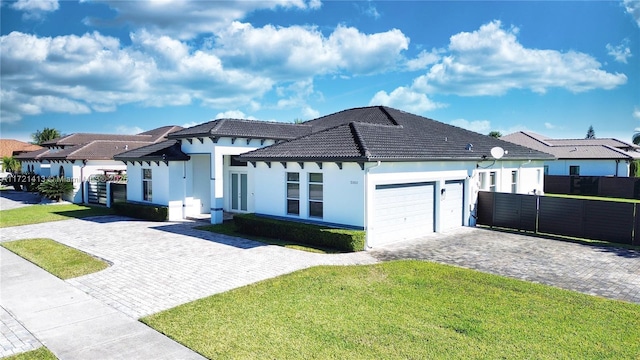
10 164
45 135
495 134
636 138
591 134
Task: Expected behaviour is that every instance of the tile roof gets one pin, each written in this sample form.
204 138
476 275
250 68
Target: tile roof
32 155
168 150
387 134
587 149
244 128
153 135
94 150
9 147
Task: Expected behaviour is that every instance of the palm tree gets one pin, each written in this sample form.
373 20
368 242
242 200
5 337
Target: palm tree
10 164
45 135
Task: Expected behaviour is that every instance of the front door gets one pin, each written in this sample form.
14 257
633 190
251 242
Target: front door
238 191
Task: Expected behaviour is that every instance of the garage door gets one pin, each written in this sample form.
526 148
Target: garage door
452 205
401 212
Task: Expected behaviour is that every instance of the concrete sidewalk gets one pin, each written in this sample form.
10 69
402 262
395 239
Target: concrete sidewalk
73 324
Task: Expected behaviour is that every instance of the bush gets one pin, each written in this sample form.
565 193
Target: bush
340 239
142 211
54 189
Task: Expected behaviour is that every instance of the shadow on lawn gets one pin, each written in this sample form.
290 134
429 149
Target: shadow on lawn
188 229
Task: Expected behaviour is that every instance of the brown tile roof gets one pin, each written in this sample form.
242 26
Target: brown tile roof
11 147
253 129
95 150
168 150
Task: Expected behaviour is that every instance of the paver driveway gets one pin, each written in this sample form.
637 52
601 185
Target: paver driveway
157 266
604 271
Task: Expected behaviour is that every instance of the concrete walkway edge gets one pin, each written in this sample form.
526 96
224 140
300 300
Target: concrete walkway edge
71 323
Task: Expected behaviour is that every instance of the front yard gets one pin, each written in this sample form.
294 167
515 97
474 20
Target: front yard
403 309
35 214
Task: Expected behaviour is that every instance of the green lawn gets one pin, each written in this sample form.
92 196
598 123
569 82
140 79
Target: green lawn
35 214
38 354
229 228
58 259
403 309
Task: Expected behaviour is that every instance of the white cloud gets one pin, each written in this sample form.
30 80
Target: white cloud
188 19
309 113
424 59
128 130
405 99
234 114
191 124
636 113
479 126
633 8
620 52
35 9
491 61
549 125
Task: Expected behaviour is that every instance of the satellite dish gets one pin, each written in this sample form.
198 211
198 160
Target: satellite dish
497 152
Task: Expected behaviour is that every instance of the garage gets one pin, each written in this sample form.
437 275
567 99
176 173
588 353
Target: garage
401 212
452 205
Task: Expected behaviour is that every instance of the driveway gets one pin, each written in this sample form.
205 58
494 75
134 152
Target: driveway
157 266
609 272
11 199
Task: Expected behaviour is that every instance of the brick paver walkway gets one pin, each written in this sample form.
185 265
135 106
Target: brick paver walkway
14 338
603 271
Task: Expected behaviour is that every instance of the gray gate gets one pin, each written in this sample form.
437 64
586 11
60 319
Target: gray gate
97 193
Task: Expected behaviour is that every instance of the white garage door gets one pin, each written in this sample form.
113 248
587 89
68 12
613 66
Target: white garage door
401 212
452 205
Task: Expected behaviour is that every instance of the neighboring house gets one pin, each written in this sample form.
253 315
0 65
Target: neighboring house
79 156
394 174
590 157
11 147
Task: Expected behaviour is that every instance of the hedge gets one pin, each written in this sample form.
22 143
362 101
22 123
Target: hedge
339 239
142 211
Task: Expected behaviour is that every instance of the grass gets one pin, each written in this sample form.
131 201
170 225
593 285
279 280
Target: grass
599 198
41 353
403 309
229 228
60 260
36 214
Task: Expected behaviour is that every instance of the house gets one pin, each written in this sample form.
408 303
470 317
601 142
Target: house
11 147
394 174
80 156
590 157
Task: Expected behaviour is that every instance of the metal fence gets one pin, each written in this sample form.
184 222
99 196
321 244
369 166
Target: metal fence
118 192
611 221
606 186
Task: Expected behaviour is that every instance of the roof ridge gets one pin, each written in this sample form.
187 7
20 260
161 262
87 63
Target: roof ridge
359 139
384 110
536 139
617 150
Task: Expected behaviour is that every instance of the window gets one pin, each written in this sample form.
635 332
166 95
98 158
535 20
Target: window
514 181
315 195
574 170
61 171
146 185
483 181
492 181
293 193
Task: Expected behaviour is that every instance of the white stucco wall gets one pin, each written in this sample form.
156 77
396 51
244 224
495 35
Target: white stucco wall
167 185
589 167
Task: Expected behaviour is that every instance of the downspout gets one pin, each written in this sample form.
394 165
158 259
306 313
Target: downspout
617 164
366 203
82 183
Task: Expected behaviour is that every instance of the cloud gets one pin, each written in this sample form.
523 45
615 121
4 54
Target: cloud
479 126
636 113
620 52
195 17
128 130
309 113
491 61
405 99
549 125
234 114
35 9
424 59
288 53
633 8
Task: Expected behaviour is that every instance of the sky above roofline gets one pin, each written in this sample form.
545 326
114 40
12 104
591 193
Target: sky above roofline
97 66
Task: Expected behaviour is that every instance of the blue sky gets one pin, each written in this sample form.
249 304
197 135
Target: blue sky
553 67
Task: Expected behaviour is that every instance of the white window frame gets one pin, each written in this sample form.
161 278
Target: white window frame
314 200
289 196
147 185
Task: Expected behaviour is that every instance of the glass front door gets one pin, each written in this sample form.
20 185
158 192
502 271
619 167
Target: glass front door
238 191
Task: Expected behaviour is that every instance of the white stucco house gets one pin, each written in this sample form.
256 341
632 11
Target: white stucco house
79 156
394 174
587 157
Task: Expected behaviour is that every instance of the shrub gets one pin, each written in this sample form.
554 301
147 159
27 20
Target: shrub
142 211
54 189
340 239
